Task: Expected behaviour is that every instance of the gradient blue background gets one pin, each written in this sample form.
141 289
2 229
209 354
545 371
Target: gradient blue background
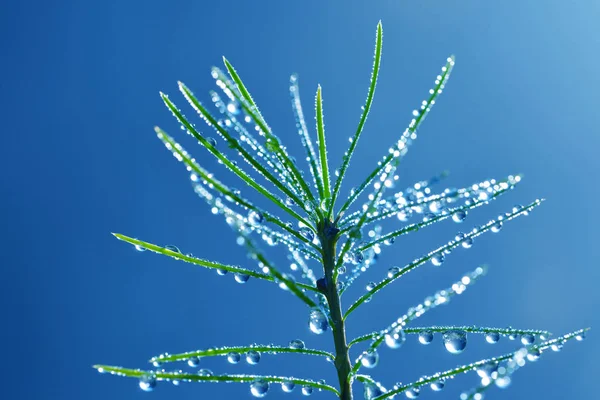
80 84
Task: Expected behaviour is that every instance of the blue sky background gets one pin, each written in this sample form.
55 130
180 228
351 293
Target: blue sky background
80 160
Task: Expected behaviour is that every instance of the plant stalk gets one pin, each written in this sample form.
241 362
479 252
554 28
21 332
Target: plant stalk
328 235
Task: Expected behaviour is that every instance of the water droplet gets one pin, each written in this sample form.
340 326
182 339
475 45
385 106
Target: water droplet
370 286
205 372
252 357
372 391
139 248
233 108
307 233
412 393
437 385
212 141
533 354
358 257
492 337
317 321
193 361
221 271
455 341
580 336
425 337
259 388
392 271
370 359
255 218
288 387
437 259
527 339
173 248
147 382
497 227
241 278
556 347
234 357
297 344
307 390
459 216
389 241
395 340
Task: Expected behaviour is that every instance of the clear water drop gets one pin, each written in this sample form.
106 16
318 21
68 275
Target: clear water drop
296 344
241 278
193 361
317 321
556 347
455 341
527 339
287 386
255 218
139 248
370 286
307 233
580 336
147 382
488 370
437 385
533 354
412 393
252 357
205 372
172 248
221 272
370 359
492 337
425 337
459 216
212 141
371 391
497 227
392 272
307 390
438 259
233 357
259 388
395 340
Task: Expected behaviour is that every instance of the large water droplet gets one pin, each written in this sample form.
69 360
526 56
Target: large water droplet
412 393
259 388
193 361
307 233
288 387
527 339
392 272
234 357
147 382
455 341
425 337
370 359
139 248
212 141
437 259
241 278
307 390
317 321
492 337
370 286
497 227
221 271
205 372
395 340
252 357
255 218
296 344
580 336
459 216
173 248
533 354
371 391
437 385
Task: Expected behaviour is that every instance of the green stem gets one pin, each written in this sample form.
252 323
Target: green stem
328 235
